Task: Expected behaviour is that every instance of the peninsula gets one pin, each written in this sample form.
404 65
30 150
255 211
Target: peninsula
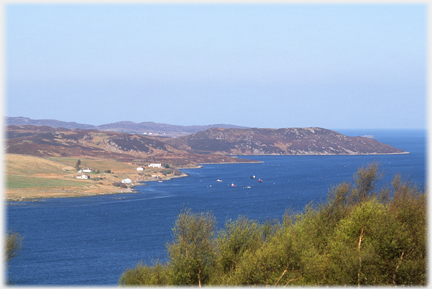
45 162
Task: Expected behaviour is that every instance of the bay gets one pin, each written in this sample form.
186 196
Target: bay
92 240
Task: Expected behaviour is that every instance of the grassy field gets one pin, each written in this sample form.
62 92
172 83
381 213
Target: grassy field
98 164
18 182
28 165
29 177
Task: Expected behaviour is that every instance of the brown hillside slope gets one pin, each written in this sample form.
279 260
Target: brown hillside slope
43 141
284 141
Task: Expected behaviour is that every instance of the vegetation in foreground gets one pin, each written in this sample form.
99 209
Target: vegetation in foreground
362 235
12 247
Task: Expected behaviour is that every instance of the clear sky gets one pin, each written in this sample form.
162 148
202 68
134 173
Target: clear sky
269 66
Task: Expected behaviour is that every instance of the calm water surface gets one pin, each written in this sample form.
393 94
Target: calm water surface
92 240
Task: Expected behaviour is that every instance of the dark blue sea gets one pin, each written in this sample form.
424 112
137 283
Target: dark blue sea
93 240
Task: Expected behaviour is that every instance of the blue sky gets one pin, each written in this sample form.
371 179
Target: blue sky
281 65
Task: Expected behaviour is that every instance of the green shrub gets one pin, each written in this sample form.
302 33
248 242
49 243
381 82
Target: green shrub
362 235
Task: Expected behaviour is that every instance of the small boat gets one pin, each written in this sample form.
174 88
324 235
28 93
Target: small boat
248 187
259 181
232 185
218 180
253 177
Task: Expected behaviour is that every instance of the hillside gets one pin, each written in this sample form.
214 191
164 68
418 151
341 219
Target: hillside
44 141
148 128
40 160
29 177
210 146
284 141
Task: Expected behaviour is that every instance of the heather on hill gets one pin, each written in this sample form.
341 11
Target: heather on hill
362 235
282 141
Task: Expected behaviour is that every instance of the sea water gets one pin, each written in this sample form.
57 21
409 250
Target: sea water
93 240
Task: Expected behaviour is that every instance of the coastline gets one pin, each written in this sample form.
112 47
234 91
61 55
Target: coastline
80 194
35 195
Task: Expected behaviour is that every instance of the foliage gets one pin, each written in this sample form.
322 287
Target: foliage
119 184
13 245
362 235
77 165
192 252
177 172
146 275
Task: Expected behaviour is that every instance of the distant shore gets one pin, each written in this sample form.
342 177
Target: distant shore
42 193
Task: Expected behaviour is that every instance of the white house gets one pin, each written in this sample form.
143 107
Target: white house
126 181
83 177
155 165
140 169
87 170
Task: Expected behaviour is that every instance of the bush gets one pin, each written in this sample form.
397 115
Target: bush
177 172
192 252
361 235
13 245
119 184
146 275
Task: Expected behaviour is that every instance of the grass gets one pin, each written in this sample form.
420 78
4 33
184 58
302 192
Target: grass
28 165
98 164
33 177
20 182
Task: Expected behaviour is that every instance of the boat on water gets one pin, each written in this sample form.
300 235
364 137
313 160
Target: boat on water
232 185
218 180
253 177
259 181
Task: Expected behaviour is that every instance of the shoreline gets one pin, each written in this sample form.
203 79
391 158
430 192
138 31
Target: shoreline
131 189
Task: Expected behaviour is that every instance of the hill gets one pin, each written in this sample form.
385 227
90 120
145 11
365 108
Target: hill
41 159
149 128
210 146
44 141
283 141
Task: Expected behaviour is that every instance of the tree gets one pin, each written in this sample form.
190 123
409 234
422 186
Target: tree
193 251
365 181
361 235
237 238
77 165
